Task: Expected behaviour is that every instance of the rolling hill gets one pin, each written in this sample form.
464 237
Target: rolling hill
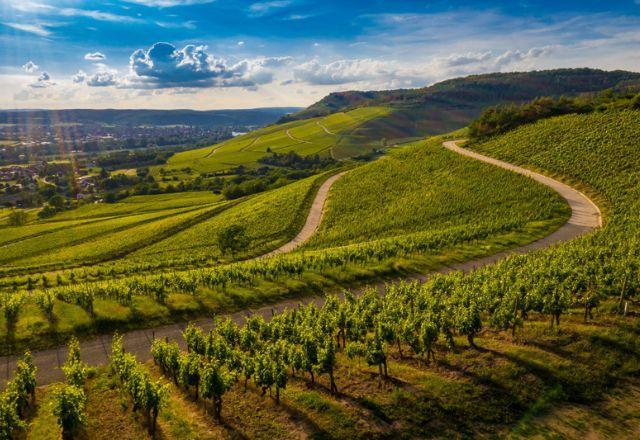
452 104
339 135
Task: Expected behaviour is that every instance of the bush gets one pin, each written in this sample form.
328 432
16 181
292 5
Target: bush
232 239
69 408
17 217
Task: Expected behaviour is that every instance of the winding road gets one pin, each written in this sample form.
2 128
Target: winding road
585 217
293 138
326 130
314 218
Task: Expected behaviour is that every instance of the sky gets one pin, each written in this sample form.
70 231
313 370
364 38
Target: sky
214 54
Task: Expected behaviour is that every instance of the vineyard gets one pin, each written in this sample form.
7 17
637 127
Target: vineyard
335 135
146 228
543 344
421 226
386 198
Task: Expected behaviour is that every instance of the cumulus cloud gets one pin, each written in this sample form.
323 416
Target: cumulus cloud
341 72
481 62
165 66
43 81
510 56
95 56
79 77
169 3
30 67
102 79
456 60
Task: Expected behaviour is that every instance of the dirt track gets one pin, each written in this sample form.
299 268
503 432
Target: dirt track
585 217
314 218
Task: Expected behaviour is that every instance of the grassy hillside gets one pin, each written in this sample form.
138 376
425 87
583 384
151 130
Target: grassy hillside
334 135
270 220
416 231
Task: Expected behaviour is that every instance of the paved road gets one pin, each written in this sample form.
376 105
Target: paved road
585 217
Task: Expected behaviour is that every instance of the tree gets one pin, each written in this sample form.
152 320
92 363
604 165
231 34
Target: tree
57 202
232 239
69 408
17 217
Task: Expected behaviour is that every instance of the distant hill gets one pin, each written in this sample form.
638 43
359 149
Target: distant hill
452 104
134 118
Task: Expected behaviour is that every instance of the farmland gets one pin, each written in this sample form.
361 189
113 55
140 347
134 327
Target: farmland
129 291
147 228
304 137
535 345
425 187
445 357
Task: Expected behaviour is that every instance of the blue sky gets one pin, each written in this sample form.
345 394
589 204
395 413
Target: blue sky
236 54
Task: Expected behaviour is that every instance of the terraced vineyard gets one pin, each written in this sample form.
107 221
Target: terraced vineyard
420 226
333 135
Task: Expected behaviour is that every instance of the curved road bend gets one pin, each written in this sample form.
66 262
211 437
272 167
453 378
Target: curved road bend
314 218
326 130
585 217
297 139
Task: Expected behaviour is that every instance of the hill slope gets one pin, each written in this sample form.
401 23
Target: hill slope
452 104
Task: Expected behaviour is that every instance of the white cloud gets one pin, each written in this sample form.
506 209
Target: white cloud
41 8
165 66
102 79
30 67
95 15
341 72
263 8
79 77
240 43
177 25
169 3
37 29
43 81
95 56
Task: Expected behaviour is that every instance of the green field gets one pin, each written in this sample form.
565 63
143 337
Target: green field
304 137
270 220
417 231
